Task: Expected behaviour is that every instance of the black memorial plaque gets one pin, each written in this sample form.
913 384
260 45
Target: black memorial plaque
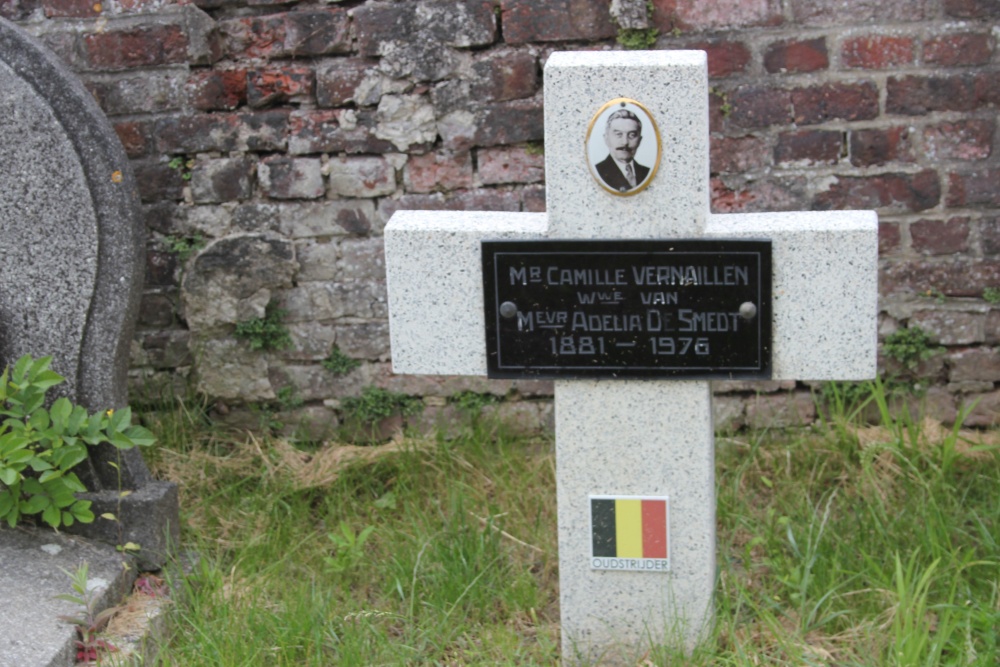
696 309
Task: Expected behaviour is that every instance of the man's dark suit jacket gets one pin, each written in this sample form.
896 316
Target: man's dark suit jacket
613 176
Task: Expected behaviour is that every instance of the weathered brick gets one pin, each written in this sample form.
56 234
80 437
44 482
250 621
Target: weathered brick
438 172
369 340
937 237
504 75
739 154
468 200
509 123
757 107
889 237
992 333
167 349
989 235
961 277
797 56
877 52
972 9
70 8
408 121
317 32
134 137
758 195
336 83
688 15
254 36
510 165
274 85
724 57
161 268
918 95
985 411
17 10
325 218
962 140
950 327
156 311
291 178
885 192
164 217
361 176
844 101
780 410
809 146
65 45
361 260
221 180
987 87
533 199
422 59
974 188
157 181
214 90
461 23
130 6
149 92
198 133
978 363
328 131
264 131
881 146
958 49
861 12
555 20
138 47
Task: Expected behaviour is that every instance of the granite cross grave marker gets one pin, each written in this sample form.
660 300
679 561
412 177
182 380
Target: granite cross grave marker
632 295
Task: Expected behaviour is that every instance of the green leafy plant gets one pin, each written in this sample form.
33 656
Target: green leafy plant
349 548
182 164
376 404
992 295
89 622
909 346
288 398
339 363
40 446
470 402
184 246
637 38
726 107
265 333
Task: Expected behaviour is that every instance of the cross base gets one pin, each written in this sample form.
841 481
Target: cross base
635 438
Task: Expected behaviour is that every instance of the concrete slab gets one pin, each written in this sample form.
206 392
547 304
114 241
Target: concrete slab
32 565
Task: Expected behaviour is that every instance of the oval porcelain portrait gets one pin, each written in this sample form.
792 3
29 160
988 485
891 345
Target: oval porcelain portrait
623 147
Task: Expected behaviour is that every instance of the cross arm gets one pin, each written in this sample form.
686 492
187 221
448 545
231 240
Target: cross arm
437 320
824 290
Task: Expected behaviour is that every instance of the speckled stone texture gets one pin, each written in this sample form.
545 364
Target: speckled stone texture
635 438
434 275
71 253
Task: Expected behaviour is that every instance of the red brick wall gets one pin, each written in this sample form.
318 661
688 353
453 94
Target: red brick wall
310 123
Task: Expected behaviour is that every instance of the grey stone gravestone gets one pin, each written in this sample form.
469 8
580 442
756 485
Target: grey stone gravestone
71 270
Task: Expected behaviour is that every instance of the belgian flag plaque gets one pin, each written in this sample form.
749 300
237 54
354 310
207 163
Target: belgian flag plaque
630 533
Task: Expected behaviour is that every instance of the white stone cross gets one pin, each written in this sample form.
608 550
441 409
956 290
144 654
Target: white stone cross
635 437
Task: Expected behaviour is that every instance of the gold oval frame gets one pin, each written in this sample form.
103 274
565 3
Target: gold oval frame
623 102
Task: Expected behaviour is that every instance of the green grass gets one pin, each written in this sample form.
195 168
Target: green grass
841 545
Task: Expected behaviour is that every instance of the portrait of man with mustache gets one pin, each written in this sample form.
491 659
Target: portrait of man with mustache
622 135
